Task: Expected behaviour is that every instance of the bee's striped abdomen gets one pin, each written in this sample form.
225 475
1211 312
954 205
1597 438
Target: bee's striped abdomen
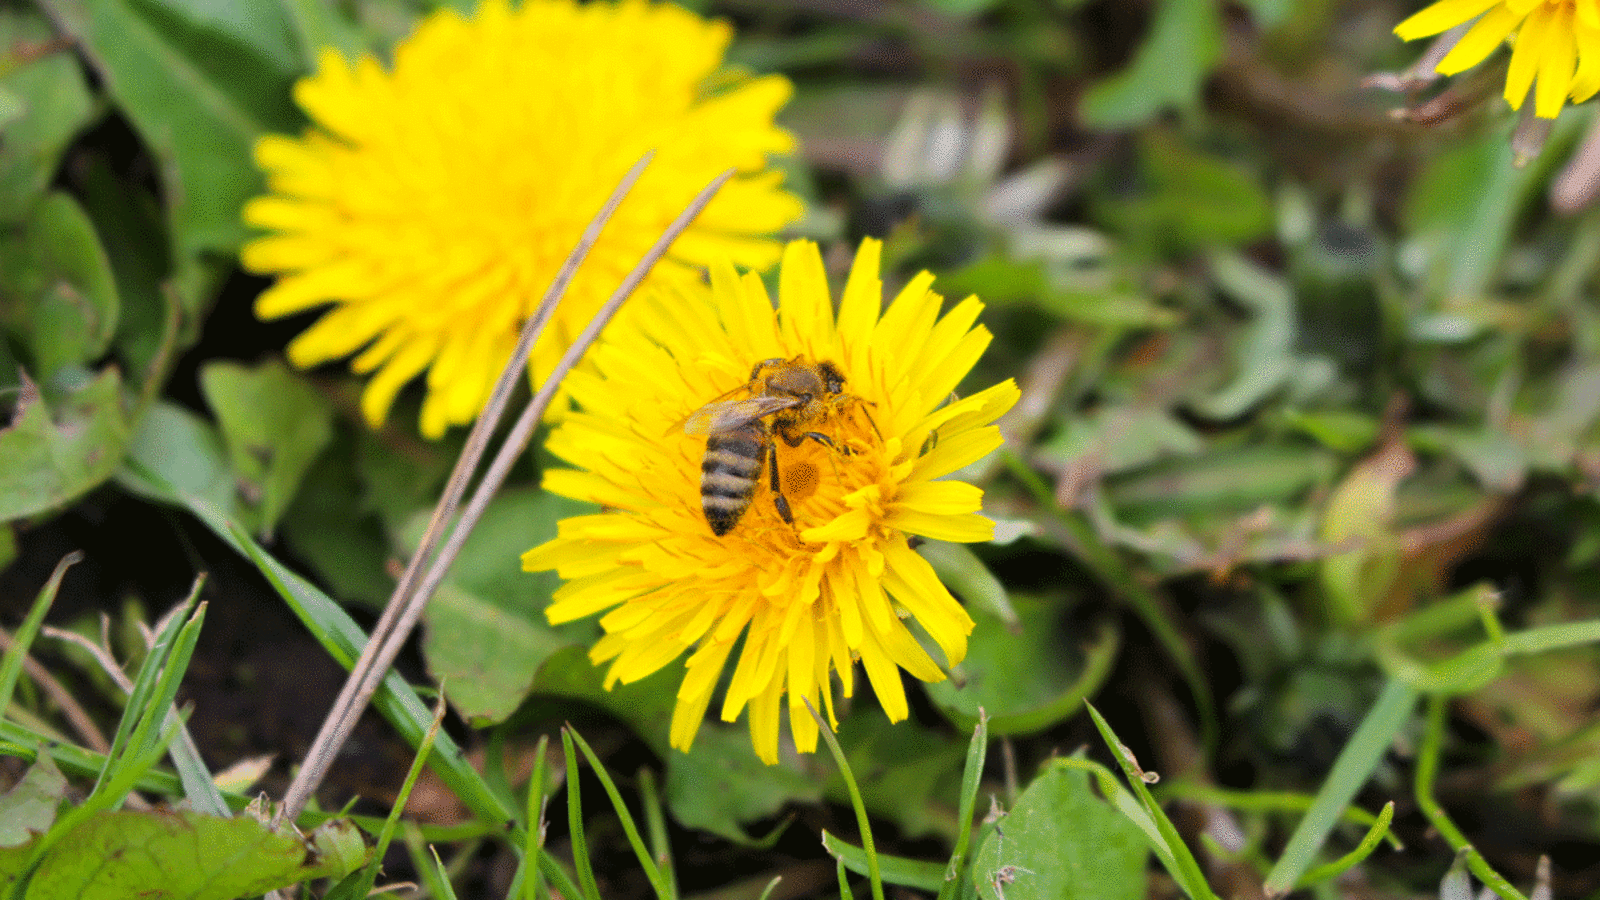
729 474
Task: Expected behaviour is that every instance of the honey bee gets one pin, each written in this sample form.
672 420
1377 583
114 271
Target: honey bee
787 397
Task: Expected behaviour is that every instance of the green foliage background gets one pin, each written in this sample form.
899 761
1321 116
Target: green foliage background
1301 494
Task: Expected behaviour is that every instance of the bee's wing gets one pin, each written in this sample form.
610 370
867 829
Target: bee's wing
734 413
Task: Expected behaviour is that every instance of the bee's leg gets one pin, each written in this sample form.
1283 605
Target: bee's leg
825 441
865 404
778 500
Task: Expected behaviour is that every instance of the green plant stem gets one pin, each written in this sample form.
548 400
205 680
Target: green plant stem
875 876
1427 771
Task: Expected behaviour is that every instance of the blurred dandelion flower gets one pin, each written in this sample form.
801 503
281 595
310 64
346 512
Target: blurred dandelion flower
432 202
809 597
1557 43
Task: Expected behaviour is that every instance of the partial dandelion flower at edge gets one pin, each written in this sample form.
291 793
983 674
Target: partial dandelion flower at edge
803 601
1555 53
431 203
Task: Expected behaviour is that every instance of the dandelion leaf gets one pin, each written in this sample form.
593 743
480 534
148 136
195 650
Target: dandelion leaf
57 449
1026 678
720 784
29 808
48 105
1185 41
56 291
186 856
486 635
185 452
1061 842
274 427
198 97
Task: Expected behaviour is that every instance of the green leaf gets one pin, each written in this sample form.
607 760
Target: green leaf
49 104
1026 677
1061 842
199 98
273 425
486 634
1238 479
965 574
262 25
186 452
909 767
55 452
177 855
333 527
29 808
1184 43
128 218
915 873
1004 280
56 289
1187 200
720 784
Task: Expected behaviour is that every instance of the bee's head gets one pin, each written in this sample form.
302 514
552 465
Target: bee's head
832 378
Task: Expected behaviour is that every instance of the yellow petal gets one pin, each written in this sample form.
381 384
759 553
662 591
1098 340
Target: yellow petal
1480 40
1441 17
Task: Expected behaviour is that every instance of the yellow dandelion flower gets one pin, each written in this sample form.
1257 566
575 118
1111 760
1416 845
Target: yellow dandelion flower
1556 43
858 469
432 202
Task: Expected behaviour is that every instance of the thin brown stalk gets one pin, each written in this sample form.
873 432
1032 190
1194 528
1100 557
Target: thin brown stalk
81 721
411 594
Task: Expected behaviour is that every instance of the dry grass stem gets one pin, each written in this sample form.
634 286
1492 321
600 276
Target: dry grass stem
411 594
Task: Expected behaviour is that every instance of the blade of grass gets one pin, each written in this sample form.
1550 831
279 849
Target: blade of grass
1374 835
360 888
533 887
1427 771
1351 770
914 873
1124 802
443 880
11 663
1186 869
580 846
971 776
651 871
655 824
156 687
1265 801
138 700
198 785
